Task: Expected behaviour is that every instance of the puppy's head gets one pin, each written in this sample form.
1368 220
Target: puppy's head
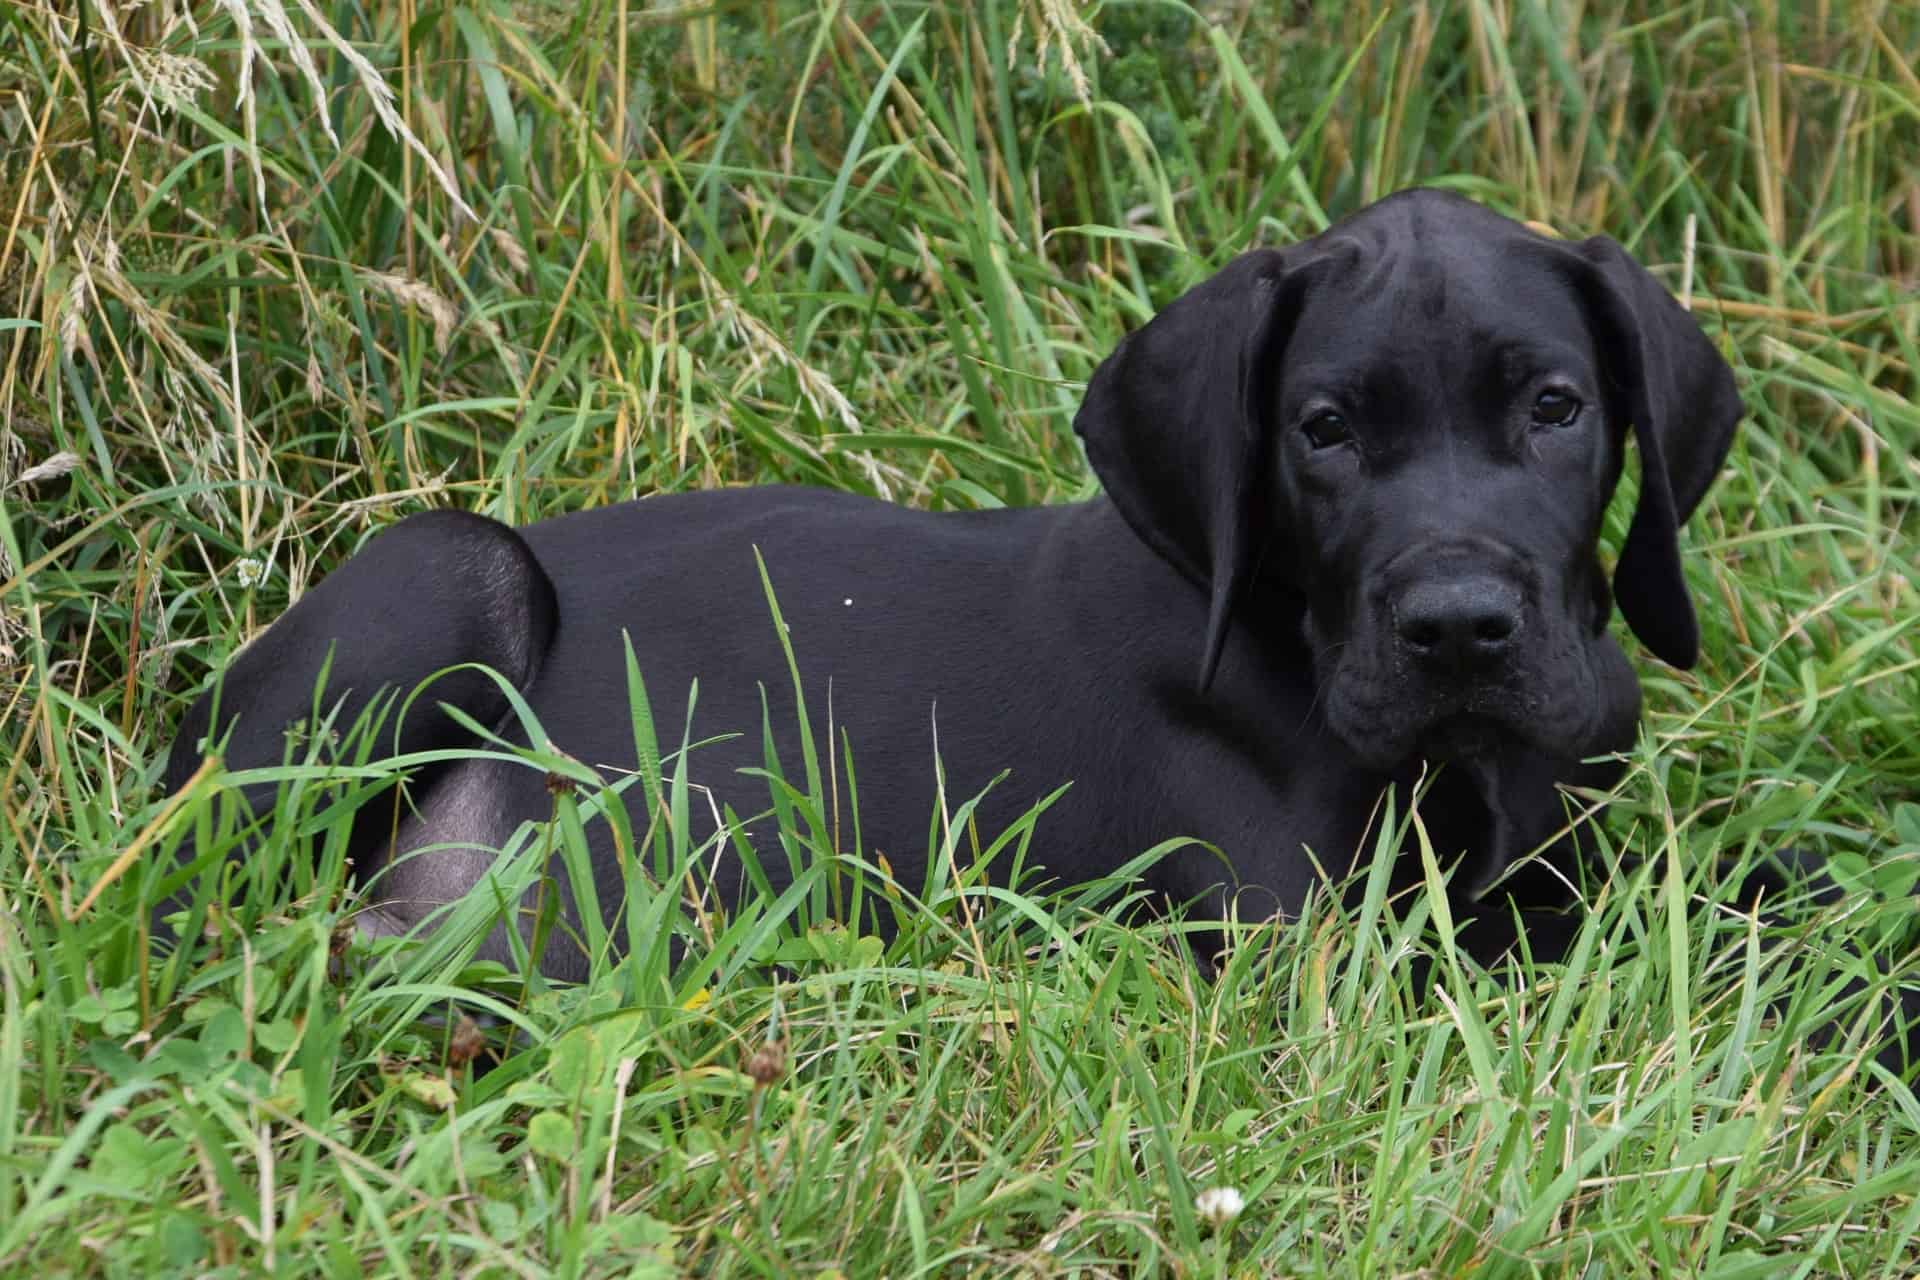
1400 437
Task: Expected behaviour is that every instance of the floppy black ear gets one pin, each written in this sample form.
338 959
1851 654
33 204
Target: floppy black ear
1175 426
1683 404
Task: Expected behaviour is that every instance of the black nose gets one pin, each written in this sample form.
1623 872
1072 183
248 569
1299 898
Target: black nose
1458 624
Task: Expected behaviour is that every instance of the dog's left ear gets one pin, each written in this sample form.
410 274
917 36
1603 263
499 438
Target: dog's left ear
1175 425
1681 399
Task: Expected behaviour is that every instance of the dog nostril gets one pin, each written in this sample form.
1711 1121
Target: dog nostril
1493 629
1421 634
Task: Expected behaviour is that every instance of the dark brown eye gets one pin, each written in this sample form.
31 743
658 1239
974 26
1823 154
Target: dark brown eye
1555 409
1326 429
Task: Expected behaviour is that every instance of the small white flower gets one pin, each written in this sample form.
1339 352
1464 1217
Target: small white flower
1218 1206
250 572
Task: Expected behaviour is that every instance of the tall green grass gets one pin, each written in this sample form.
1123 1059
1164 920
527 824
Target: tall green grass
259 299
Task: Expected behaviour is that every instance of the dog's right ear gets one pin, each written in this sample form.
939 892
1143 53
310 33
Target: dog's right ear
1175 425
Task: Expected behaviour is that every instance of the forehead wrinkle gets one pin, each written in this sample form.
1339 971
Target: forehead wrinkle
1439 322
1416 268
1516 360
1376 270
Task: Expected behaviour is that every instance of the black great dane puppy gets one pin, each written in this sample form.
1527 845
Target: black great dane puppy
1353 492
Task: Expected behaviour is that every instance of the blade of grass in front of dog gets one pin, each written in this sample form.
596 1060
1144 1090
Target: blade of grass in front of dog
1569 993
779 914
573 849
1474 1037
679 817
1365 930
1437 895
808 756
1020 834
858 852
1679 968
646 754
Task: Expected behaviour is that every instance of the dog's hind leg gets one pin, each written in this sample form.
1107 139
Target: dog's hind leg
439 589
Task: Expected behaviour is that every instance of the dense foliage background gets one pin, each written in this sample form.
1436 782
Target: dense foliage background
273 276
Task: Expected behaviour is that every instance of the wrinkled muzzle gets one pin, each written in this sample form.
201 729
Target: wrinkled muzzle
1453 651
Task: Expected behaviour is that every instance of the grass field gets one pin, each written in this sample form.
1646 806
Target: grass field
273 277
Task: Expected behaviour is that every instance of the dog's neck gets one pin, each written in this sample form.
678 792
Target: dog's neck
1530 810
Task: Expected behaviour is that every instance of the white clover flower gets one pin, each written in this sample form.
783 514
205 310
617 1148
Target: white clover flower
1219 1206
250 572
